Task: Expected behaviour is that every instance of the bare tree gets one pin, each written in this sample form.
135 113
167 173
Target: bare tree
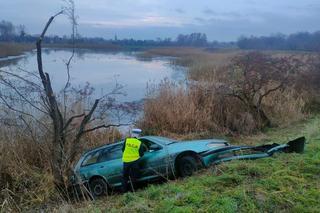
31 97
7 30
252 77
21 30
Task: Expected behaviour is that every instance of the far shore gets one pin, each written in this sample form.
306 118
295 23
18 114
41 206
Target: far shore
8 49
14 49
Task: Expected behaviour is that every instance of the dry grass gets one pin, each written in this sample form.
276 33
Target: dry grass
25 178
286 107
282 183
202 63
181 111
14 49
190 57
25 170
199 109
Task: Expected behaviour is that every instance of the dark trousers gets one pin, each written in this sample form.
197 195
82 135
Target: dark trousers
130 174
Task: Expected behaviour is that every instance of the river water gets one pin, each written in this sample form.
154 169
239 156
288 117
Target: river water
102 70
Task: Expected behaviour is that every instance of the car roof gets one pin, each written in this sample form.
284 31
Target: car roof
102 147
158 139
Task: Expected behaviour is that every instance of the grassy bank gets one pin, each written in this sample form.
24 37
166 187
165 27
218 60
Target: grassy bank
189 57
201 58
286 182
283 183
14 49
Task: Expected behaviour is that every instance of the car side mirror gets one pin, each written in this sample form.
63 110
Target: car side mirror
155 147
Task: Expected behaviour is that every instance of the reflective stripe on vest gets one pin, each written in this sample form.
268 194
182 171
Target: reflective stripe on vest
131 150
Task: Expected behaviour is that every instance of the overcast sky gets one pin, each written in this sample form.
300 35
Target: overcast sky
148 19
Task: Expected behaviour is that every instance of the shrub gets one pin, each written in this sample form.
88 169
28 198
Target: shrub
172 108
251 92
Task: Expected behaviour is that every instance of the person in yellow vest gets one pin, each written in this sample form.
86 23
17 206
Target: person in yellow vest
133 149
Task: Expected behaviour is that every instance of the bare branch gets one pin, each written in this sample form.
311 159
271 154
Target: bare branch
39 50
105 127
29 128
70 12
48 24
87 118
29 73
71 119
269 91
22 112
9 84
21 78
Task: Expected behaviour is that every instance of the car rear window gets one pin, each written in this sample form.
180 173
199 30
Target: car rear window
112 153
91 158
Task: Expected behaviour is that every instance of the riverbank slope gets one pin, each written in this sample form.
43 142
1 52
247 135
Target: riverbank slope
283 183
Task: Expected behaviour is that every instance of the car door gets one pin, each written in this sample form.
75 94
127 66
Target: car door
110 164
155 162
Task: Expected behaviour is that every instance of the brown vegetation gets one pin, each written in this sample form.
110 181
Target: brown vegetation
45 130
26 179
193 57
227 92
252 91
14 49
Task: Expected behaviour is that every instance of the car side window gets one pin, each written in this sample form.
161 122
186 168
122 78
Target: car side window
91 158
147 143
111 153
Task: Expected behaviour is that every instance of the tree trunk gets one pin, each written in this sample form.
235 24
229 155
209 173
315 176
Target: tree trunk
57 170
58 140
260 116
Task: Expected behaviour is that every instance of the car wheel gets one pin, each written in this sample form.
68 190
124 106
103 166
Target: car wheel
187 165
98 187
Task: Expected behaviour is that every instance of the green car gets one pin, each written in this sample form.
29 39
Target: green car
101 168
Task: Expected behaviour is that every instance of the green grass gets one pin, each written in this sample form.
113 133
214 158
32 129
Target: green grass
283 183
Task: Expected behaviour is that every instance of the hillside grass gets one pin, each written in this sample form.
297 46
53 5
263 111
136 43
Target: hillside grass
282 183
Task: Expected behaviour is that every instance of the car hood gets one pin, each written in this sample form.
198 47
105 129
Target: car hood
198 145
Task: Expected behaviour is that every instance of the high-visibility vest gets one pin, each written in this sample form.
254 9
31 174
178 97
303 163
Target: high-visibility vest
131 150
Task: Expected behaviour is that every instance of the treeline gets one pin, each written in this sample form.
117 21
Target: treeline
10 32
18 33
302 41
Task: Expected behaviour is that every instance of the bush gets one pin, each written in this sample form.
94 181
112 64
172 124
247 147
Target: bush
172 108
26 180
251 92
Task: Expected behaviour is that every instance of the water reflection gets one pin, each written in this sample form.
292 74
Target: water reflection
103 70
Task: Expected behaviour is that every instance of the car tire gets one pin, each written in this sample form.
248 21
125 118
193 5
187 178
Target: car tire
187 165
98 187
